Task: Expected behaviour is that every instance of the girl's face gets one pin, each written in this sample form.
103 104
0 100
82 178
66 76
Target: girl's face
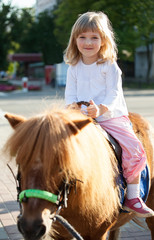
89 44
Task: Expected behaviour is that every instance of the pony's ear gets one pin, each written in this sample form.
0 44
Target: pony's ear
79 124
14 120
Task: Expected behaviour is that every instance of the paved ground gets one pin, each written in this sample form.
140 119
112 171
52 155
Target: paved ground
14 102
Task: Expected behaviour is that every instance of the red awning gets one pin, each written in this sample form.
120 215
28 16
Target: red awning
26 57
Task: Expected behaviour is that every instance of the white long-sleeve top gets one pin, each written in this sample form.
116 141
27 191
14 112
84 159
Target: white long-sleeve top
101 83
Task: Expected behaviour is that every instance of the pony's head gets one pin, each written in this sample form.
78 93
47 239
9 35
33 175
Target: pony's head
58 146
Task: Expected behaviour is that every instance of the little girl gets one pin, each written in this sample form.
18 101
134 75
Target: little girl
94 76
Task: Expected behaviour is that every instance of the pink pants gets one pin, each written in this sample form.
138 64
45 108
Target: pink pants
133 154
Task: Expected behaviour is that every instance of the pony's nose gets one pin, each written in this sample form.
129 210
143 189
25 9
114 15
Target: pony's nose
31 230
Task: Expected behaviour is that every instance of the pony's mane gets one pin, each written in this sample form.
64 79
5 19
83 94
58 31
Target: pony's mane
84 155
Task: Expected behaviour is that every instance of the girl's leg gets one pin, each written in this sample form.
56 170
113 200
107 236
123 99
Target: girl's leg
133 162
133 154
133 202
133 188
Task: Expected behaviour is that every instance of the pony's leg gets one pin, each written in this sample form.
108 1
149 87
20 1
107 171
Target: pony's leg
150 203
114 234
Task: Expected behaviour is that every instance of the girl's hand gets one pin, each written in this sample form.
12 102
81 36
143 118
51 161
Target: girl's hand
93 110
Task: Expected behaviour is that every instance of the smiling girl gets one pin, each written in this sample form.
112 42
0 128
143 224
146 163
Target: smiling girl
94 76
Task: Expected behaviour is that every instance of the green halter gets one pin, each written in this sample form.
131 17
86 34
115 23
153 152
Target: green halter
35 193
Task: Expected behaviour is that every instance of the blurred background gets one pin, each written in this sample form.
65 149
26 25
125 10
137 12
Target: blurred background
35 33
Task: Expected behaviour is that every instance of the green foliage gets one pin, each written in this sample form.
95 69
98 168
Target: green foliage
22 23
46 40
4 34
35 35
14 24
22 32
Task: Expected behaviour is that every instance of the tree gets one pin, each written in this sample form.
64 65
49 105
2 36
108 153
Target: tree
22 22
46 40
21 31
36 35
5 36
14 25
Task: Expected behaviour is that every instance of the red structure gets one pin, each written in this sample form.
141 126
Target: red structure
48 73
26 59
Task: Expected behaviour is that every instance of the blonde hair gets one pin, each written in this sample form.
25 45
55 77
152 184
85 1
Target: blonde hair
96 22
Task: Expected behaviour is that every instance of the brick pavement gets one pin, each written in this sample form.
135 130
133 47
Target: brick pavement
9 209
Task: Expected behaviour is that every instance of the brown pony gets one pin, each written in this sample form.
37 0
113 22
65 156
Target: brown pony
65 145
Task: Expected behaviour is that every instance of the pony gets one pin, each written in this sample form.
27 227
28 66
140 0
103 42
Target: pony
63 147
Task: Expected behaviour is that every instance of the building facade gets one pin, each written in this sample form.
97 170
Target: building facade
141 64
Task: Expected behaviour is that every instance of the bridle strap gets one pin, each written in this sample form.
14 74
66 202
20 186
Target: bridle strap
36 193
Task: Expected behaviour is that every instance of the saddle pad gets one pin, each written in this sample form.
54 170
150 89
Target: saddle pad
144 185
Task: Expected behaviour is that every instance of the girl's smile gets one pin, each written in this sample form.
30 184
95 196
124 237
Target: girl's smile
89 44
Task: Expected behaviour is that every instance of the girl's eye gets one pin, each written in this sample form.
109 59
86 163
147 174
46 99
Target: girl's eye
95 37
81 37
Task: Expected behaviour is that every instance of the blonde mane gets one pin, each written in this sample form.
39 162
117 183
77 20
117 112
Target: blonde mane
65 152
